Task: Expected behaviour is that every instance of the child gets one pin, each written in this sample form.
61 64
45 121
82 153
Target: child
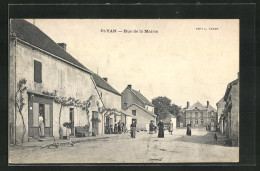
215 137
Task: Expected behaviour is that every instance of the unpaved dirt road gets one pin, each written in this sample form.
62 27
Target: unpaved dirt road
145 148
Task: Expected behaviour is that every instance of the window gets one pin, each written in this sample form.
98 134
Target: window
37 71
196 121
196 114
212 120
134 112
201 121
201 114
125 105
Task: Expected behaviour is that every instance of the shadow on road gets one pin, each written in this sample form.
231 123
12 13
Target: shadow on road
207 138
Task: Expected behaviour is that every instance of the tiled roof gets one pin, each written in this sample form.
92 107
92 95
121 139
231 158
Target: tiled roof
100 82
140 96
197 105
34 36
142 109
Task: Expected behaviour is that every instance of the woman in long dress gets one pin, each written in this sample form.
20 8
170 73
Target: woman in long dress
133 129
188 130
170 127
161 129
151 127
41 126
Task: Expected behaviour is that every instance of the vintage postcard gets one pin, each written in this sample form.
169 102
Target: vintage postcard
123 91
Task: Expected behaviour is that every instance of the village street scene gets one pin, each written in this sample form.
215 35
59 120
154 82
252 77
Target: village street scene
93 109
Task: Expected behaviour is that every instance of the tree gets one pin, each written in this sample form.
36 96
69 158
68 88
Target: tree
163 107
19 101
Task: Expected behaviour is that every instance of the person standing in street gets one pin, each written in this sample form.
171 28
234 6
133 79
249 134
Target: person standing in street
170 127
119 127
133 129
161 129
115 129
188 130
41 126
151 127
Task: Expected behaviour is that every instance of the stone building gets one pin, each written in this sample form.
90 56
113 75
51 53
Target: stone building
231 112
112 100
220 109
47 67
141 109
199 115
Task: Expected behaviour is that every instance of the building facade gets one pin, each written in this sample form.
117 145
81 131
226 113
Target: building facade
220 110
112 100
47 67
199 115
141 109
230 118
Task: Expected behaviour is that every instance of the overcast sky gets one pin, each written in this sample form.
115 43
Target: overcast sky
180 62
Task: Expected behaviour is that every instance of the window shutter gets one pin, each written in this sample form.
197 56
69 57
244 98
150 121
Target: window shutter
37 71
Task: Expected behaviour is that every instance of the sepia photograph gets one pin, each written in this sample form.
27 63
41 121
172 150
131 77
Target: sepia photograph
123 91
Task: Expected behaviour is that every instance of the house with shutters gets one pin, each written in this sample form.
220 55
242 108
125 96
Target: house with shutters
199 115
134 103
48 67
112 100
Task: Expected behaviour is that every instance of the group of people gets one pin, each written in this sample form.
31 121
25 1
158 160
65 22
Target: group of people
153 128
117 129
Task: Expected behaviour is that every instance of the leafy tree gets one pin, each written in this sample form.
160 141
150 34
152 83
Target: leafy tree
19 101
163 107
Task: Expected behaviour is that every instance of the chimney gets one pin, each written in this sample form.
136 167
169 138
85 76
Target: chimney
238 76
207 104
105 79
139 91
129 86
188 104
63 46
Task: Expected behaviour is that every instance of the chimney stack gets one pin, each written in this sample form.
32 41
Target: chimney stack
63 46
129 86
188 104
105 79
207 104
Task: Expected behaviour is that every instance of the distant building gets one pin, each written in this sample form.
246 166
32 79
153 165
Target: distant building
134 103
199 115
112 100
231 112
220 109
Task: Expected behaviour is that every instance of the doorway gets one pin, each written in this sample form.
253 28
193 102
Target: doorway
40 105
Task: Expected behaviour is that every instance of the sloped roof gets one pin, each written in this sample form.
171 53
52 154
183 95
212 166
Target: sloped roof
100 82
221 100
229 86
142 109
210 108
140 96
198 106
34 36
